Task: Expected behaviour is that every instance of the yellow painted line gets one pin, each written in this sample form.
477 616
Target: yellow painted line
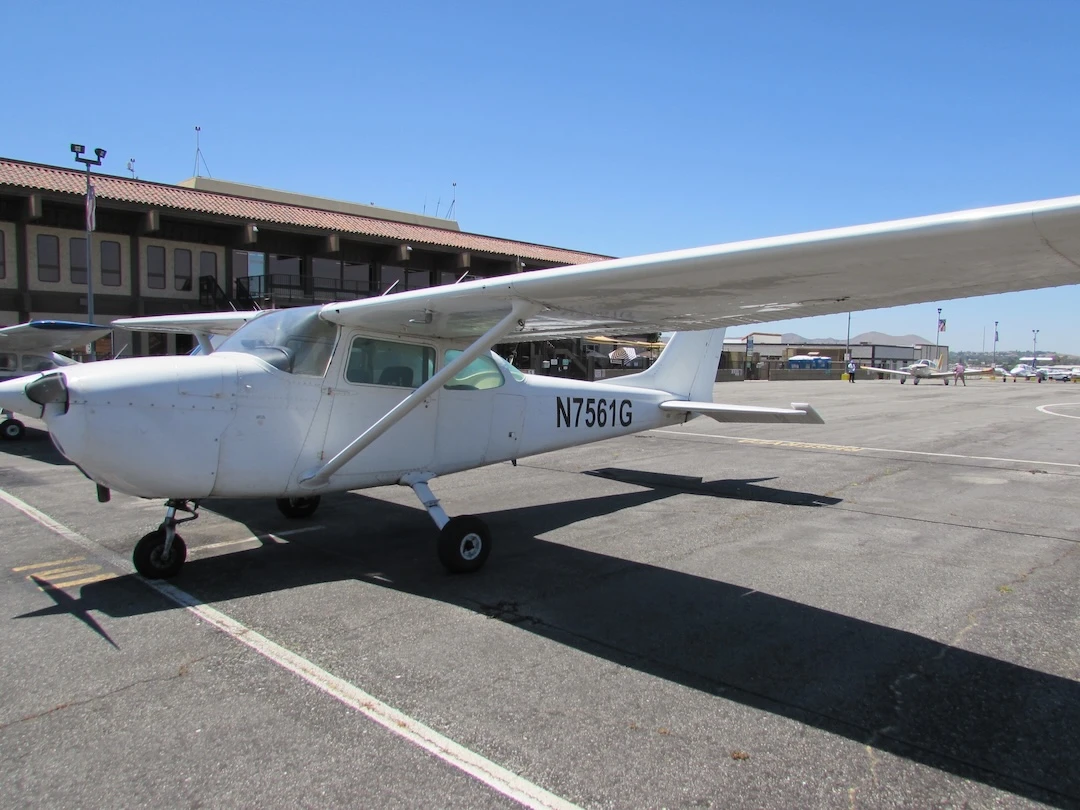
85 581
47 564
257 538
70 571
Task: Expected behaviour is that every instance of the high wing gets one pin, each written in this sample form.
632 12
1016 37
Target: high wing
49 336
974 252
201 323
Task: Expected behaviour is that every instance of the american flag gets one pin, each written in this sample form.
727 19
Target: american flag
91 208
941 325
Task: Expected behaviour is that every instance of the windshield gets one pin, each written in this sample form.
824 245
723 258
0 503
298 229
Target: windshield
296 340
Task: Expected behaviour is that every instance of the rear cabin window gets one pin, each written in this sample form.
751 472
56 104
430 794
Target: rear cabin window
480 374
384 362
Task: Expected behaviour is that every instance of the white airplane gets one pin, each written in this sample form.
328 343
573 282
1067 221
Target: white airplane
400 389
1021 370
31 347
920 369
925 370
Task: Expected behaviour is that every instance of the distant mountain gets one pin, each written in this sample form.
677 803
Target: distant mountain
866 337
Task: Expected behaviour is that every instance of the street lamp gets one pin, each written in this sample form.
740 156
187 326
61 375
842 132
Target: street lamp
994 362
937 334
78 150
1034 343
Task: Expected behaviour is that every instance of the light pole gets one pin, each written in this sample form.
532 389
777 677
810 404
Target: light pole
1034 343
79 149
937 334
994 361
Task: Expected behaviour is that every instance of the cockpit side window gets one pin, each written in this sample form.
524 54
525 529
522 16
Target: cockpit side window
481 374
385 362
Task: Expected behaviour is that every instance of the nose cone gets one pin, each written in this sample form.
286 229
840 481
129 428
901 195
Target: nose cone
13 397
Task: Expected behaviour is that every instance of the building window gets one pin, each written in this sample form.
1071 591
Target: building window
356 277
182 269
77 254
208 264
48 257
155 267
110 264
3 256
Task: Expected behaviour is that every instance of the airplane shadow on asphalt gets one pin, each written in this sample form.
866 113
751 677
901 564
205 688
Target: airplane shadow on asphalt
1005 725
35 444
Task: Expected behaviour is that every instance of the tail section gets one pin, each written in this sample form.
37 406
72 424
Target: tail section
686 368
940 364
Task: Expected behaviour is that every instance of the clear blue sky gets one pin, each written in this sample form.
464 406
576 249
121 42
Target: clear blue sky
613 127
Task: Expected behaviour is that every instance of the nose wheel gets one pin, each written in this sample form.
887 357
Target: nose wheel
160 554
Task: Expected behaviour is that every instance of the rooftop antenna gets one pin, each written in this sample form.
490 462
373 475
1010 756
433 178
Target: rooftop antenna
199 156
437 204
450 210
131 168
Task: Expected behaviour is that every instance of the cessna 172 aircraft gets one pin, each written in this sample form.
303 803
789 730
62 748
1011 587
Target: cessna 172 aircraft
31 347
925 370
402 388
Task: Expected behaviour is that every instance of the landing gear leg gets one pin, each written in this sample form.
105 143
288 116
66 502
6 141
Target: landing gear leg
464 541
914 380
161 553
902 379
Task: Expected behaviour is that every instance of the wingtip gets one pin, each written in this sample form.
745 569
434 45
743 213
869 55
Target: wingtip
812 416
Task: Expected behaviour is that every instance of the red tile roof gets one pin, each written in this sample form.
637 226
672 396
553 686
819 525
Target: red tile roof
37 177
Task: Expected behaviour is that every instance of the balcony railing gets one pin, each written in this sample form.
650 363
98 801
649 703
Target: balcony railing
291 290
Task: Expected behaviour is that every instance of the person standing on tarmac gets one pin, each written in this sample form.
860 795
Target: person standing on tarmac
851 370
958 375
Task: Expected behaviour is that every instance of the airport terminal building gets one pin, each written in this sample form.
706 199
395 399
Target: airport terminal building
206 244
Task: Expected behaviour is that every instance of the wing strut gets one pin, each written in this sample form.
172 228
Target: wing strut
320 476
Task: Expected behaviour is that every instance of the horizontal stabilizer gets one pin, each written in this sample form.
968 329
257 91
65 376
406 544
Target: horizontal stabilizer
799 412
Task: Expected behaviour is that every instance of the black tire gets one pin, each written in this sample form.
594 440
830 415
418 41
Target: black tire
12 429
903 380
464 544
946 383
298 507
914 380
148 559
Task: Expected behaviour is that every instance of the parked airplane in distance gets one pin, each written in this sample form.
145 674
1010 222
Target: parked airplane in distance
30 348
925 370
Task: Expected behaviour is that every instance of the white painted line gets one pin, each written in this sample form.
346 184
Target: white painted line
483 770
1046 409
747 440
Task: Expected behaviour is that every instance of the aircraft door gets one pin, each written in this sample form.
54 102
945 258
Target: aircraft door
377 375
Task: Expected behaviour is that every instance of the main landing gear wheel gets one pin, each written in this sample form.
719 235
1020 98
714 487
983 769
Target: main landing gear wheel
903 380
464 544
12 429
914 380
946 383
151 559
298 507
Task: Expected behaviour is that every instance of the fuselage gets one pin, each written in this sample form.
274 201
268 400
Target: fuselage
250 424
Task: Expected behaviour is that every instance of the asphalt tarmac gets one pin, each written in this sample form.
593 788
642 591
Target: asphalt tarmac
882 611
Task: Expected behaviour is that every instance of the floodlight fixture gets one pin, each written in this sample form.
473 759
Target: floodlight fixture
78 148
